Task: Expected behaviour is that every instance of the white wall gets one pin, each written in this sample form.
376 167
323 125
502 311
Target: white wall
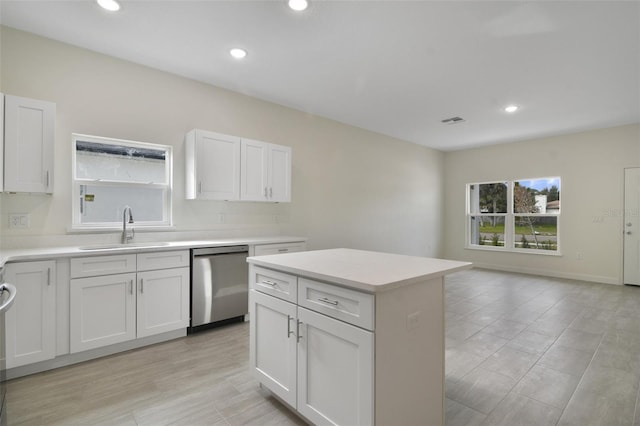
591 166
351 187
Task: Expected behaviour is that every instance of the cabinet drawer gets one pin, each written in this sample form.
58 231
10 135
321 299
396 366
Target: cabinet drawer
163 260
264 249
102 265
278 284
350 306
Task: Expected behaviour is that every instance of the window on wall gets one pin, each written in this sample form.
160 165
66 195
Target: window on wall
521 215
109 174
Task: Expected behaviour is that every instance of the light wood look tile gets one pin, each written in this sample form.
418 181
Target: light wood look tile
521 350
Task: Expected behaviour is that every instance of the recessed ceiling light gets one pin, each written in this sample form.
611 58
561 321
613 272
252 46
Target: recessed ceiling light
238 53
511 108
111 5
298 5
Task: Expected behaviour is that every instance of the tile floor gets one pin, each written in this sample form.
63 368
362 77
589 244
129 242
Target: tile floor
526 350
520 350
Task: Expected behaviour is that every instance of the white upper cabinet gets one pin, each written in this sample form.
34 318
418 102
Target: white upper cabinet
29 138
266 172
212 166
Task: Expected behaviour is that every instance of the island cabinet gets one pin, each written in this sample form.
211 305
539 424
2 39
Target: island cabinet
308 359
350 337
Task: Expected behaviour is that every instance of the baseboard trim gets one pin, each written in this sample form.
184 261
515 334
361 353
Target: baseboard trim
548 273
68 359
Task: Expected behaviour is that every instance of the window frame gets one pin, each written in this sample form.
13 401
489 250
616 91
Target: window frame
510 220
167 200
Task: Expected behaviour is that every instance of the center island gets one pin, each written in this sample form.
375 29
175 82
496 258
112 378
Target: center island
351 337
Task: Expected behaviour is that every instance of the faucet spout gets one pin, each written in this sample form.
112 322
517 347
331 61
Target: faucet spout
126 236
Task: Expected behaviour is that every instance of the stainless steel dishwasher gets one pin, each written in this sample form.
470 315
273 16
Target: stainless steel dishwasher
219 286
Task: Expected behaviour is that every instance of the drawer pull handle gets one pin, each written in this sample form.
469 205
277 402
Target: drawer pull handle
289 332
298 331
283 250
328 301
269 283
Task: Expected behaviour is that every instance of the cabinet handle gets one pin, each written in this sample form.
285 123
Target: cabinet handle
283 250
141 285
200 187
270 192
298 337
130 286
269 283
328 301
265 191
289 332
47 174
48 276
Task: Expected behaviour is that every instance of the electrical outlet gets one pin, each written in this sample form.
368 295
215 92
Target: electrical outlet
18 220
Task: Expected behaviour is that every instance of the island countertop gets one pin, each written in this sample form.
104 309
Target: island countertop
369 271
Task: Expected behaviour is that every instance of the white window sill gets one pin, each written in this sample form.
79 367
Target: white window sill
514 250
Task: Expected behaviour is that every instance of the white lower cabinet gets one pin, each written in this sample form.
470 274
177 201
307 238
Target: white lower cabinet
320 366
335 371
279 248
274 351
31 322
103 311
162 301
109 309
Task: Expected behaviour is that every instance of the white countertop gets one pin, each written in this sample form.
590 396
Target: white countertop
363 270
26 254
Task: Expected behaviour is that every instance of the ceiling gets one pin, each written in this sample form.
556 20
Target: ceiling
394 67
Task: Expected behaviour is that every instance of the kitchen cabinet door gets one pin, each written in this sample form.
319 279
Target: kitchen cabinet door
102 311
272 355
335 371
279 173
163 301
29 138
254 157
266 171
212 166
31 322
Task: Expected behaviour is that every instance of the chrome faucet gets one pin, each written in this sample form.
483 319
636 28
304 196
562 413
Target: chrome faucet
126 237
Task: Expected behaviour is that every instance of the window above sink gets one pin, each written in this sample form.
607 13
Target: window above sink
109 174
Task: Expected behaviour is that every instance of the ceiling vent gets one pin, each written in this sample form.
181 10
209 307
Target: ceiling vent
453 120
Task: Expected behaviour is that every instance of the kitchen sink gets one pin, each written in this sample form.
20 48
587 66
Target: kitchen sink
122 246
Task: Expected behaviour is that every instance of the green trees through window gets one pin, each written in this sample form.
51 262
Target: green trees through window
519 215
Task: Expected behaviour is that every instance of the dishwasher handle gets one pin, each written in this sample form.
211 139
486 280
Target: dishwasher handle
219 250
